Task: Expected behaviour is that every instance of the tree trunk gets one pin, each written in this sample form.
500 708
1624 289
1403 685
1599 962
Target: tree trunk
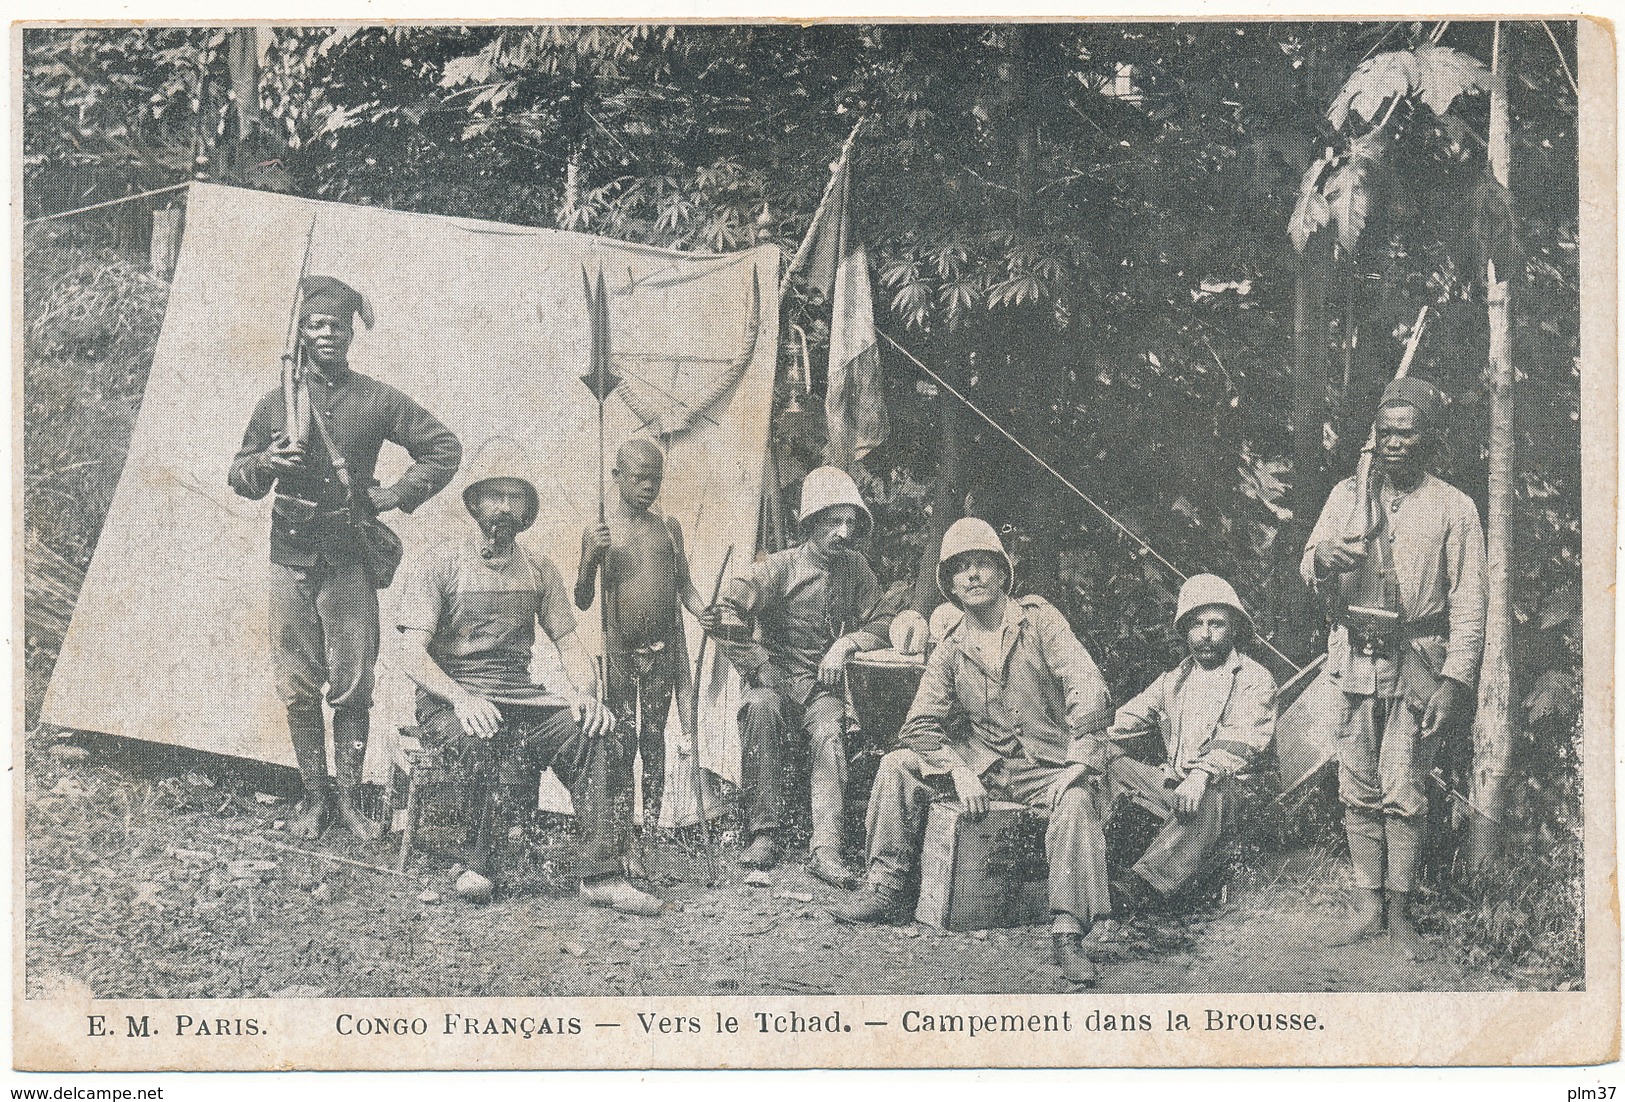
1292 611
572 193
1492 730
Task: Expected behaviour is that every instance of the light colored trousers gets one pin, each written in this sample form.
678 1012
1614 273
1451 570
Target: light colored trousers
1382 772
1074 842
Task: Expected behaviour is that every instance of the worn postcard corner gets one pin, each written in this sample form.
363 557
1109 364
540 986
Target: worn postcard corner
908 544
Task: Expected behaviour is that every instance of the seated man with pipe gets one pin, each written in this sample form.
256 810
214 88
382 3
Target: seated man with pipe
468 619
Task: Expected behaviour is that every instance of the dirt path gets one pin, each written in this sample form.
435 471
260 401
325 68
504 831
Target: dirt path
132 893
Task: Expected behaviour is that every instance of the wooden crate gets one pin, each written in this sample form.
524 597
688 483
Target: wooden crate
958 889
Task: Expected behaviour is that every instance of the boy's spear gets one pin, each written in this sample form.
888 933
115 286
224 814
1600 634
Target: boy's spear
602 382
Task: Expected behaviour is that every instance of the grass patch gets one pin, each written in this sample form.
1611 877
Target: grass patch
91 322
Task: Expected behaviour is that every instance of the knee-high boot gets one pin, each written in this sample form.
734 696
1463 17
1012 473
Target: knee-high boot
309 737
350 727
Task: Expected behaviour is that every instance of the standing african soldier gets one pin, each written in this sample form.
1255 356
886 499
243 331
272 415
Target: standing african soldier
645 573
1011 707
816 604
1407 589
324 607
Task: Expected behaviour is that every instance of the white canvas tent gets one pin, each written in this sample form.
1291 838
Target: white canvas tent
485 325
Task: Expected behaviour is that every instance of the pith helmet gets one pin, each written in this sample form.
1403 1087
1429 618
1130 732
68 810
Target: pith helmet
971 534
1202 590
827 487
502 459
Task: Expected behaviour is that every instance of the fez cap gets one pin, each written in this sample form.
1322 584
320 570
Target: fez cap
333 297
1423 395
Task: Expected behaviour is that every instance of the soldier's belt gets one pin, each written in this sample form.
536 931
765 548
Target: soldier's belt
1372 630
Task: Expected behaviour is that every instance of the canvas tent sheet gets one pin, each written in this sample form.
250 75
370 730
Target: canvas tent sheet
485 325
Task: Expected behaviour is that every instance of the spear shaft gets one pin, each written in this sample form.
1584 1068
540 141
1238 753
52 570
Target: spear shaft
693 707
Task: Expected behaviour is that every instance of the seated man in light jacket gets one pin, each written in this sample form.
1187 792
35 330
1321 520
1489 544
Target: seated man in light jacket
1011 707
1215 712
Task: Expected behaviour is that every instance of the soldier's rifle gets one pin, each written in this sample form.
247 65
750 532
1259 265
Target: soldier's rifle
1361 523
1368 619
295 399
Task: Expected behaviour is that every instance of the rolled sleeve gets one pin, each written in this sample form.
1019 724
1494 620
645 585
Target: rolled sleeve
435 450
552 607
423 594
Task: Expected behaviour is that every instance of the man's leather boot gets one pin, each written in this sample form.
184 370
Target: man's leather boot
1076 964
480 844
875 903
1366 850
762 853
618 894
309 737
349 752
827 864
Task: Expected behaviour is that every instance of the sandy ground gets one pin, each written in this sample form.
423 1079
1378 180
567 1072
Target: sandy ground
136 887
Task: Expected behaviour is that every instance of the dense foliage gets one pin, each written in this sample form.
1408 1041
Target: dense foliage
1088 227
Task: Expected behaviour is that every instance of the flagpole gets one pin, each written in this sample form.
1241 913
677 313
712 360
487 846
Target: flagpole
823 201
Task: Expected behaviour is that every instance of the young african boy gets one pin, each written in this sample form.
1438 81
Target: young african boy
645 573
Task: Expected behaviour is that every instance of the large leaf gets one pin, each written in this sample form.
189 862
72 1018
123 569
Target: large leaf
1370 87
1311 211
1555 693
1348 197
1443 74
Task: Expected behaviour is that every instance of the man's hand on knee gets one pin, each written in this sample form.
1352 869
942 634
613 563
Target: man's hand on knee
595 719
831 669
479 716
1190 793
1065 779
971 791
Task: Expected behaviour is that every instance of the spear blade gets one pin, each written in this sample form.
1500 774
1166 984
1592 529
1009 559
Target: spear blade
599 378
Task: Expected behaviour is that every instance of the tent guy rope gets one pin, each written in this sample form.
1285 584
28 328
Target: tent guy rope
1067 482
107 203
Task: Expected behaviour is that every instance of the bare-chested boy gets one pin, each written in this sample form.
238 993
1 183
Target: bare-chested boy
645 575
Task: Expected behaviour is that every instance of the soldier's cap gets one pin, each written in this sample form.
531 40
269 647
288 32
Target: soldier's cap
1427 399
334 298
